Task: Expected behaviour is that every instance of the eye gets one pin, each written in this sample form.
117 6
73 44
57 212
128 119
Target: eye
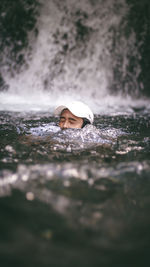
71 121
62 120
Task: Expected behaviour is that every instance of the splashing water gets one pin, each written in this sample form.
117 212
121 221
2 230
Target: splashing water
78 48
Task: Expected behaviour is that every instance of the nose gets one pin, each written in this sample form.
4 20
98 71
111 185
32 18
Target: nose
65 125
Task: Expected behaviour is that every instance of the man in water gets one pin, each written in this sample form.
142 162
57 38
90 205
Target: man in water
74 115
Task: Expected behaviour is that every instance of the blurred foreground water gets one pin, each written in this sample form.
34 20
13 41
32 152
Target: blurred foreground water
74 197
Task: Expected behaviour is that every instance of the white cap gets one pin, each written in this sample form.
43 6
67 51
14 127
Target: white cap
78 109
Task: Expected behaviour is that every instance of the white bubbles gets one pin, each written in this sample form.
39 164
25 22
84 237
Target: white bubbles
29 196
67 183
80 139
10 149
44 130
71 172
25 177
7 180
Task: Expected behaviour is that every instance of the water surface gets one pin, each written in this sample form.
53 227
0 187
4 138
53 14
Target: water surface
74 197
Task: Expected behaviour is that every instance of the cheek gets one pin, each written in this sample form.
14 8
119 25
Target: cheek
60 124
78 124
81 123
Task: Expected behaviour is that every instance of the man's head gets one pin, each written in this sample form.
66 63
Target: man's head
74 115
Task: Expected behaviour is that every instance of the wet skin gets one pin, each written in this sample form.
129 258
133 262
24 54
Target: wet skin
68 120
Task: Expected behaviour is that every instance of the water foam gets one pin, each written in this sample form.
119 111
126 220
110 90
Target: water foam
72 58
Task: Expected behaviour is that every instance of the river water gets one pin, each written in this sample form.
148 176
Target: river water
77 197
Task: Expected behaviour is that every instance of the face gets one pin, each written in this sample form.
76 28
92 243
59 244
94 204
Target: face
68 120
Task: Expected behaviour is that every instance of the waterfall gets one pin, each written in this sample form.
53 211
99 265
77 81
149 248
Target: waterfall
81 51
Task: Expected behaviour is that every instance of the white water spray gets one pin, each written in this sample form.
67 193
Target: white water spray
72 58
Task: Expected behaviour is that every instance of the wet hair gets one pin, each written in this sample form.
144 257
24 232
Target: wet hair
85 122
